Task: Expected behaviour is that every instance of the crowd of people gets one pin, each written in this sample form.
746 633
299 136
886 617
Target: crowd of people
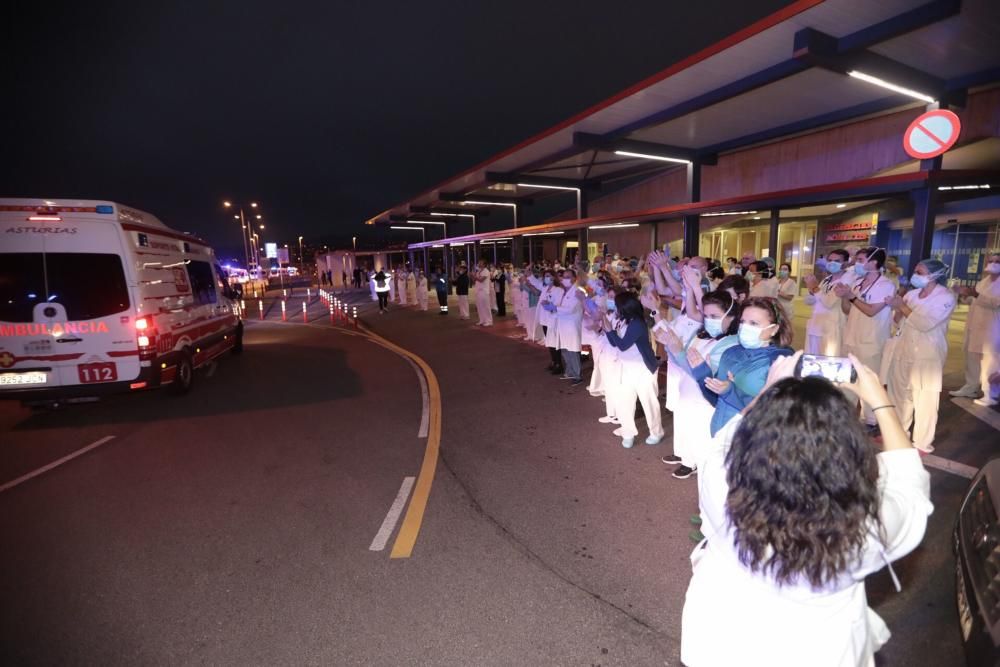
796 506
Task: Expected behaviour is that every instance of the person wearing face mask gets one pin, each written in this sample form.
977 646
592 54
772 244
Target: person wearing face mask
550 296
737 286
593 318
607 362
868 317
733 267
982 328
531 286
764 335
462 291
788 289
825 326
717 312
484 291
637 371
762 280
568 323
913 362
411 287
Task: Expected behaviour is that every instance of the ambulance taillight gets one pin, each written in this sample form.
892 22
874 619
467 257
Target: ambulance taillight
145 338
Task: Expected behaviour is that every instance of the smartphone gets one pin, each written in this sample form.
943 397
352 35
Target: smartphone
834 369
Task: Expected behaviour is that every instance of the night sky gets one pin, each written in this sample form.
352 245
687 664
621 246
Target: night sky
327 113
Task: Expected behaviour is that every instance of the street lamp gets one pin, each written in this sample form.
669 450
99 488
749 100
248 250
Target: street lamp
244 231
302 261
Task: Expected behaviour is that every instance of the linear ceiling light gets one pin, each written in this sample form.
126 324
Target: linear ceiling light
546 234
964 187
890 86
426 222
711 215
546 187
489 203
652 157
406 229
620 225
455 215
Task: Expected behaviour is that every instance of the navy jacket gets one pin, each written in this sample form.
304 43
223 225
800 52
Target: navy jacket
636 334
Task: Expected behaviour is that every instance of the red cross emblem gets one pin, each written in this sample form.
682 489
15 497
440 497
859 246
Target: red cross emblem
6 360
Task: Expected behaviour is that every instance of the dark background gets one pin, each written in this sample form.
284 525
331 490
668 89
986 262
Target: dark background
326 113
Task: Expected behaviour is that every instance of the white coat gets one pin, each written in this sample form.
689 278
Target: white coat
865 336
550 294
693 431
825 327
984 315
411 287
733 616
788 287
421 292
913 362
767 287
569 320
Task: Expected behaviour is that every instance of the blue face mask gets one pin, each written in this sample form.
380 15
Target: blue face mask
920 281
834 267
548 280
750 336
860 269
713 327
600 291
611 306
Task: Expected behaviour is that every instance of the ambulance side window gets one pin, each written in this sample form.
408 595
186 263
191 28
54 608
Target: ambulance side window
202 282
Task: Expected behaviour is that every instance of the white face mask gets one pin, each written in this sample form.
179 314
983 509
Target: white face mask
993 267
567 282
749 336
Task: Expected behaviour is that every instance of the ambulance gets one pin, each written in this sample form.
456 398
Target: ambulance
99 298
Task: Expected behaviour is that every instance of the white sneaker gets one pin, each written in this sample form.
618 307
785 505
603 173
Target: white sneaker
608 420
965 392
653 440
628 442
985 402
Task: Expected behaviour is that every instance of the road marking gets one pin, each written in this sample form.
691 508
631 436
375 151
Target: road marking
947 465
425 413
389 524
44 469
408 532
988 415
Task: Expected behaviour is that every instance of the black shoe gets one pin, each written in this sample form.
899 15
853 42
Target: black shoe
671 460
683 472
576 381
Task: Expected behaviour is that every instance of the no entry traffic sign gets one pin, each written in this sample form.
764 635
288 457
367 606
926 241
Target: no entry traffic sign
931 134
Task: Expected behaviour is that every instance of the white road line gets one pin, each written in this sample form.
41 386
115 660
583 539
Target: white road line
382 537
988 415
44 469
425 415
947 465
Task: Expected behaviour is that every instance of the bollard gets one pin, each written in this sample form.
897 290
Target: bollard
284 318
260 307
331 313
355 317
284 294
305 318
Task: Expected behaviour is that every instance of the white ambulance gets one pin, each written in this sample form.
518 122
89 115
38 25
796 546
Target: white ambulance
97 298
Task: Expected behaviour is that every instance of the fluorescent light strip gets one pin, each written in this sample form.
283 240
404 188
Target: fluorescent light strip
453 245
712 215
652 157
874 80
406 229
455 215
425 222
618 226
546 187
964 187
437 245
546 234
488 203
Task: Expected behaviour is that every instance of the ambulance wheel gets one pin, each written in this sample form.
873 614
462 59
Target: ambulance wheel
238 343
184 377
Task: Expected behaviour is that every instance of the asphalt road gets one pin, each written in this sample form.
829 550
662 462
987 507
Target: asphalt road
233 525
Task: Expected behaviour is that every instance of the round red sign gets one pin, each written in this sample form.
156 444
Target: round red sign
931 134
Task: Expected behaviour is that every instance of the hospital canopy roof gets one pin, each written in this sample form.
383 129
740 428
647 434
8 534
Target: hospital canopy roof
785 74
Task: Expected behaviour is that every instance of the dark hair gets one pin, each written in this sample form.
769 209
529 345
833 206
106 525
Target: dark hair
629 307
727 303
716 273
873 254
770 305
846 256
803 483
732 259
762 267
738 284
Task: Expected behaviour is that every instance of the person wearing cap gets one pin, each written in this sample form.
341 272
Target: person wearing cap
913 363
982 330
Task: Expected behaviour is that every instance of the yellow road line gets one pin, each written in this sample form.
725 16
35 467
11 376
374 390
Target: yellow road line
410 529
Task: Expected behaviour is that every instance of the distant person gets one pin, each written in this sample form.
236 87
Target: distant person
421 290
461 283
745 262
440 280
982 329
381 285
788 289
484 295
343 279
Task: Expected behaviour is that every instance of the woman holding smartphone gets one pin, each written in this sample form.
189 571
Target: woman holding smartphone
796 466
913 364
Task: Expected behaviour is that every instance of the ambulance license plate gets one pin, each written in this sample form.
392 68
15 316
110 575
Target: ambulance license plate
31 377
97 372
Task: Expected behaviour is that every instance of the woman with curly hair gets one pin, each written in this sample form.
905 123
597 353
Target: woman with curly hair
800 510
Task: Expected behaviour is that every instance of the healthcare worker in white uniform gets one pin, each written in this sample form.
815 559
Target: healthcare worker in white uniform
788 289
411 287
868 317
594 309
420 286
762 282
983 321
484 294
913 363
767 593
546 318
569 322
824 330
